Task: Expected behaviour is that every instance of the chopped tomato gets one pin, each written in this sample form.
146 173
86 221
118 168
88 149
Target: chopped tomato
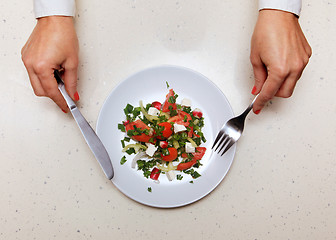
167 131
184 166
181 118
167 103
155 174
171 156
163 144
196 135
197 113
141 125
157 105
198 154
191 132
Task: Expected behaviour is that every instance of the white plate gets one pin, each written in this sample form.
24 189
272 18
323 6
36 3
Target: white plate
150 85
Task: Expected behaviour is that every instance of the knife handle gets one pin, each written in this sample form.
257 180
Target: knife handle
71 104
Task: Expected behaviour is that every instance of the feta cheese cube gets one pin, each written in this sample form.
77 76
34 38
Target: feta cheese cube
189 148
153 111
170 175
151 149
186 102
179 128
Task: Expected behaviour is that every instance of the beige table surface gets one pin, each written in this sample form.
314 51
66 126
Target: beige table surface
282 184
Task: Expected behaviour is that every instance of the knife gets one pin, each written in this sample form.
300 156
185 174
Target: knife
89 134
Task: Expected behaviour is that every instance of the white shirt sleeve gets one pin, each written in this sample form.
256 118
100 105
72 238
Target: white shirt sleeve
43 8
293 6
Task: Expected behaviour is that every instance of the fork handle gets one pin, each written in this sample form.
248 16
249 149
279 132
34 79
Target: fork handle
249 108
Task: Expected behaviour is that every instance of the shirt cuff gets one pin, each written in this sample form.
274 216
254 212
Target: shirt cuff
43 8
293 6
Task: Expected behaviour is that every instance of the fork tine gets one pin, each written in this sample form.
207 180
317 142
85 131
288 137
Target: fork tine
222 144
219 135
228 146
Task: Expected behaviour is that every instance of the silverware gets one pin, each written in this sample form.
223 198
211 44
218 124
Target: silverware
231 131
89 134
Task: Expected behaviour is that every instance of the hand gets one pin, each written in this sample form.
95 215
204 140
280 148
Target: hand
279 53
52 45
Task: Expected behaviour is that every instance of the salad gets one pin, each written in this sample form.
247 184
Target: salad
164 138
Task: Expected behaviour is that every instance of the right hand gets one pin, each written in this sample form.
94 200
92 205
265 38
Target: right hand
279 54
52 45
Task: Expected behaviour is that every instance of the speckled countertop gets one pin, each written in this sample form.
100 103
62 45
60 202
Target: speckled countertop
282 184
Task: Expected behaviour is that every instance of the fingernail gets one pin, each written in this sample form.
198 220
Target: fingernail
64 111
76 96
254 89
257 112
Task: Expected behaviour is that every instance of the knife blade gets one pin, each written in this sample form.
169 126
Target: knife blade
89 134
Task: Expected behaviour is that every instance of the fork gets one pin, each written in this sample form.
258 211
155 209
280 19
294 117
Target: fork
231 131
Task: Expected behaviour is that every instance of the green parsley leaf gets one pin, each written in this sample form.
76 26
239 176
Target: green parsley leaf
188 110
197 141
195 175
167 84
121 127
147 173
136 112
172 112
171 99
179 177
146 166
149 189
123 160
128 109
130 151
163 118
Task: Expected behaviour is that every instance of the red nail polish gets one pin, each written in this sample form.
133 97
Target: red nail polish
254 89
64 111
257 112
76 96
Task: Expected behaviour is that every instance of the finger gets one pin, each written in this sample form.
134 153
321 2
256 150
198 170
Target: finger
304 42
287 88
268 91
296 69
26 46
70 80
306 46
260 74
50 88
34 80
36 84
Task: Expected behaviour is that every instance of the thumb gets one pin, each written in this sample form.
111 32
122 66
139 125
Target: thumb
70 82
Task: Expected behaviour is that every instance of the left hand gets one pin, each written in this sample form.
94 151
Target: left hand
279 53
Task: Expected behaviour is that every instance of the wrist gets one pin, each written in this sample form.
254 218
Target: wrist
55 20
277 14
